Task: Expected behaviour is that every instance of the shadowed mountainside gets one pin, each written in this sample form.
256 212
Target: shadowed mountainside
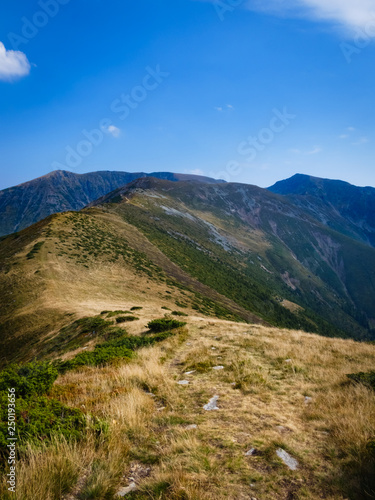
341 206
60 191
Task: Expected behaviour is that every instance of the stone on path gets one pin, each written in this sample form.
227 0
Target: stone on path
124 491
211 405
287 459
282 429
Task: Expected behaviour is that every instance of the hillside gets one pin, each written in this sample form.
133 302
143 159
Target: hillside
258 249
60 191
159 371
226 250
75 264
346 208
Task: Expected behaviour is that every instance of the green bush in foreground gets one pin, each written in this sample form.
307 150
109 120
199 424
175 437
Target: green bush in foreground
163 324
33 379
37 417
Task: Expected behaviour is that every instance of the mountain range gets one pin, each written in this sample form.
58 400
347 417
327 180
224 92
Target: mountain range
227 250
59 191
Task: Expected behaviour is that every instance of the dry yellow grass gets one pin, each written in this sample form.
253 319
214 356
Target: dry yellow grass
262 389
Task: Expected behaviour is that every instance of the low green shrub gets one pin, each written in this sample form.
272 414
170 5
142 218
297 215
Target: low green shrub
97 357
116 313
114 348
33 379
37 417
35 250
89 325
179 313
124 319
136 308
163 324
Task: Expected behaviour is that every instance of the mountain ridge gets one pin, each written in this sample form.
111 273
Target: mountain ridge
61 190
337 204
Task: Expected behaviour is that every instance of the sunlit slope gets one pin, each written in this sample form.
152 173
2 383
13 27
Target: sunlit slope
76 264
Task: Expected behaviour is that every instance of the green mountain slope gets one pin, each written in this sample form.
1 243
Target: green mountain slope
258 249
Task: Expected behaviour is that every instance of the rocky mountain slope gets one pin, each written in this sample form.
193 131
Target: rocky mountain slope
346 208
59 191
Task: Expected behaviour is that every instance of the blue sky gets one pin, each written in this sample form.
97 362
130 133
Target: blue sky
245 90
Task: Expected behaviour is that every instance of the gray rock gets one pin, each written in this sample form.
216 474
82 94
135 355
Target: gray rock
308 400
125 491
183 382
282 429
211 405
218 367
287 459
288 361
189 373
251 452
191 427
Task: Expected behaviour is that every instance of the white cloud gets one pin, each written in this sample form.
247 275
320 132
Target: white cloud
347 13
343 136
13 64
220 109
362 140
314 151
114 131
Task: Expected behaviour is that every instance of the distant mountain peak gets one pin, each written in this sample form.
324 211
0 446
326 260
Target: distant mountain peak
339 205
